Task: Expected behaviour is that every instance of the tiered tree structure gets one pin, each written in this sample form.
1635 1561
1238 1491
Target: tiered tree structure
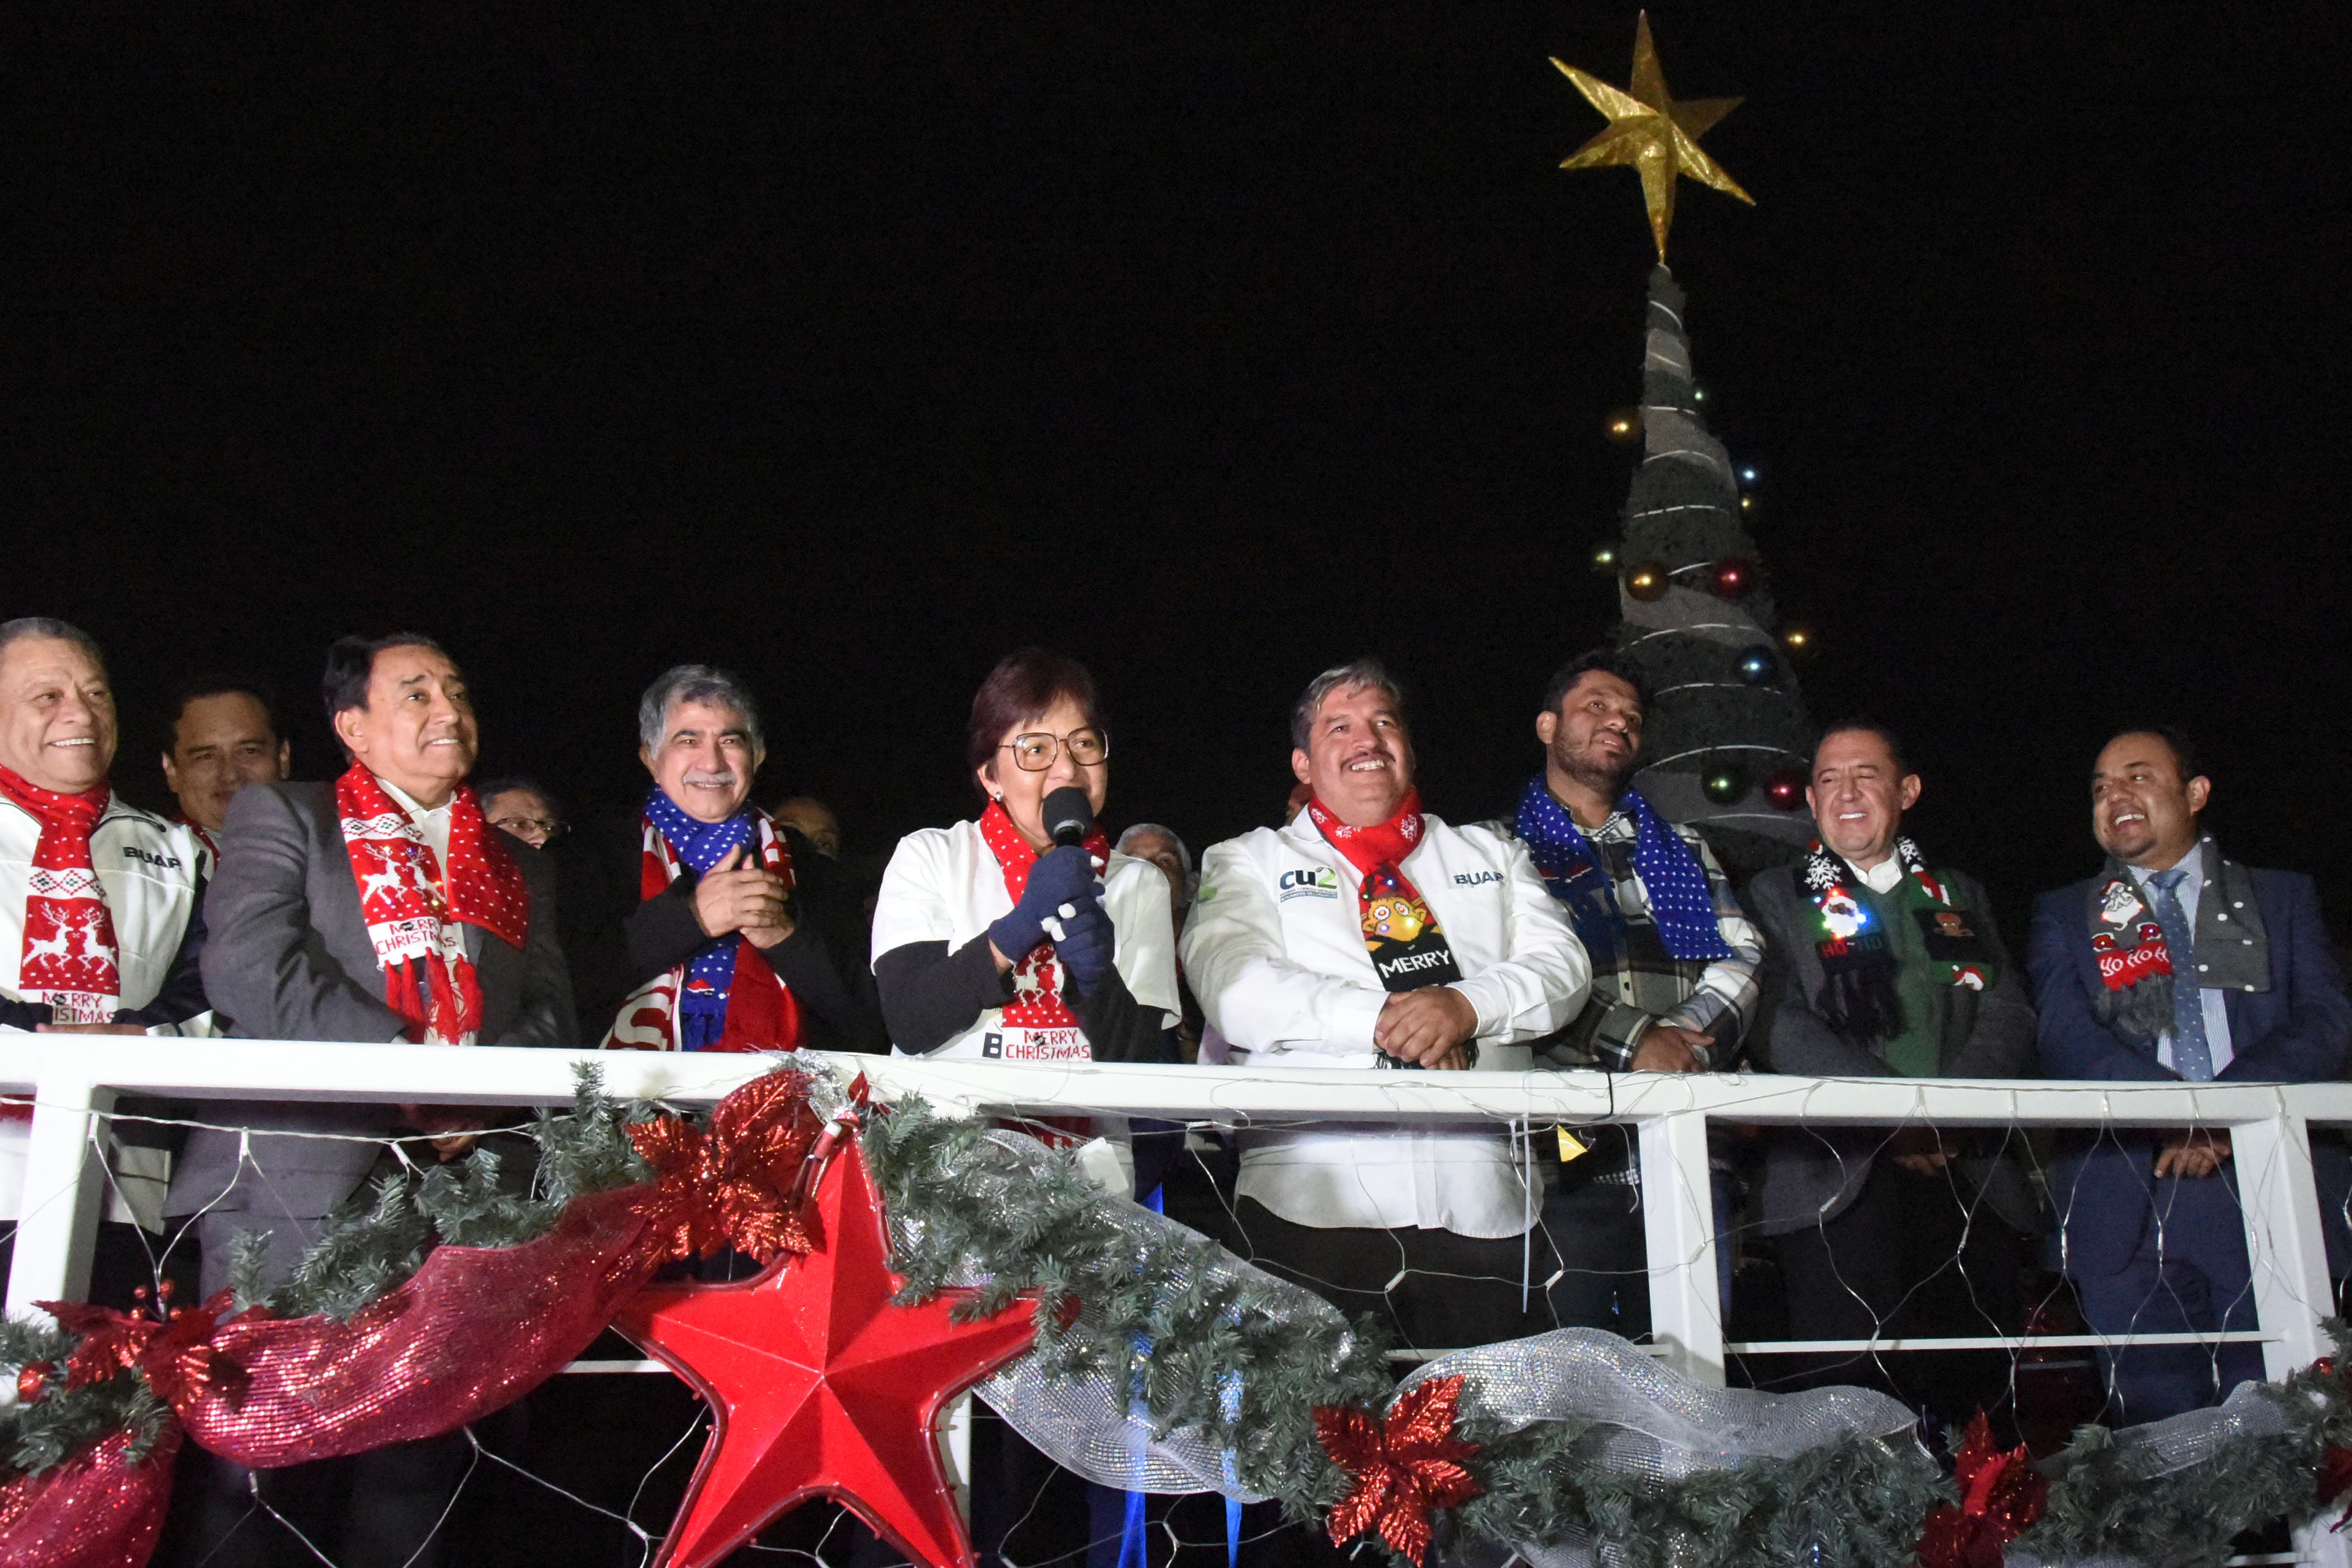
1727 735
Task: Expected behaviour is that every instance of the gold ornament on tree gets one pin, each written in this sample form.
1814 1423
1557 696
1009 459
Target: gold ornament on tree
1650 131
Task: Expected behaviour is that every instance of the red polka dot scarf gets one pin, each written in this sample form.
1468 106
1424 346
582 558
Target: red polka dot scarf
412 914
69 959
1037 975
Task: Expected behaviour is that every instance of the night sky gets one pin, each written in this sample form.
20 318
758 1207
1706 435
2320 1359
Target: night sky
1214 343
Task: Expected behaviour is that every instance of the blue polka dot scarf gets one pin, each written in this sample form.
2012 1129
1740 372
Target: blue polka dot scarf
1680 900
710 975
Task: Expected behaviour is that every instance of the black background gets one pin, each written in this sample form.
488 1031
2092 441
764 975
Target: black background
1213 342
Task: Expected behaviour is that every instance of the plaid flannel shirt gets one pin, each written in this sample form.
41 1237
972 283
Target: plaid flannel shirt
1648 986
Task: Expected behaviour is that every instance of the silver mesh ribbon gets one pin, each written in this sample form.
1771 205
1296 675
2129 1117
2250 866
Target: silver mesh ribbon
2182 1442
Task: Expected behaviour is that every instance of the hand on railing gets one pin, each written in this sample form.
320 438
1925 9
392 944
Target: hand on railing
1670 1048
2192 1152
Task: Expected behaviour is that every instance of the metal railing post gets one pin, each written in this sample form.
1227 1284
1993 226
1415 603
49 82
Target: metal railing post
57 1232
2288 1251
1678 1220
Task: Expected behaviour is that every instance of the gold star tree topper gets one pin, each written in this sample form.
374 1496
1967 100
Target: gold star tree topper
1653 133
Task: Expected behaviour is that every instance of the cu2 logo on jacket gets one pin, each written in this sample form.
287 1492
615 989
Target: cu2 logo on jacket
1320 883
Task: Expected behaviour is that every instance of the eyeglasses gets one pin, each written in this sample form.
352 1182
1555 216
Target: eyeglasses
524 827
1034 753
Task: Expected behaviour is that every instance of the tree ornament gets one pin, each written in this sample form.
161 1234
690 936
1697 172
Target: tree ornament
2001 1495
1724 782
1785 789
1731 578
1605 558
1405 1469
817 1384
32 1382
1623 426
1758 666
1650 131
1647 582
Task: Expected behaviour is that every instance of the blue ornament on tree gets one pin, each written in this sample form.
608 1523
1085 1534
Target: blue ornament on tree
1758 666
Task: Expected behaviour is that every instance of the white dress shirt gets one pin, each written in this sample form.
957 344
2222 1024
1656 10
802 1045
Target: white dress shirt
1275 951
2217 1009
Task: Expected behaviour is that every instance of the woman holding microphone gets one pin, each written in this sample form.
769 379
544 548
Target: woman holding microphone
1021 935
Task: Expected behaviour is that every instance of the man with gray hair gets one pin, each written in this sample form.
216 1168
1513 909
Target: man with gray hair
1369 933
716 952
1150 841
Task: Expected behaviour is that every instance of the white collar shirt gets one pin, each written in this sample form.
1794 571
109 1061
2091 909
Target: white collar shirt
433 822
1883 878
1275 950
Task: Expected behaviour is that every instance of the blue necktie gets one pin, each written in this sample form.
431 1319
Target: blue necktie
2193 1057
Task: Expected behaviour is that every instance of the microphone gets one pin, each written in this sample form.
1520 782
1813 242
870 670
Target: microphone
1068 814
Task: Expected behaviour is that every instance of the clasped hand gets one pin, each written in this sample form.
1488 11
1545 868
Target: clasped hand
732 896
1427 1028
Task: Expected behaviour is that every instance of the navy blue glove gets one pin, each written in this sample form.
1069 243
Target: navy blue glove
1085 946
1063 876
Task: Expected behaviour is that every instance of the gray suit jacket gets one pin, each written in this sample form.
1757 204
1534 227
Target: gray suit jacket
1812 1174
289 959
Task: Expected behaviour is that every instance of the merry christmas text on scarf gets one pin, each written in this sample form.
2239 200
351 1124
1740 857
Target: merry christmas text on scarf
414 911
70 959
1038 1024
1401 933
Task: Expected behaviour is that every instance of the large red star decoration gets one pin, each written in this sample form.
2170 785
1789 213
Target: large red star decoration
1405 1469
817 1385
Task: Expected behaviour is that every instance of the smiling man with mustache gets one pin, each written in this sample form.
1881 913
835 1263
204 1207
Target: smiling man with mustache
2175 962
1371 934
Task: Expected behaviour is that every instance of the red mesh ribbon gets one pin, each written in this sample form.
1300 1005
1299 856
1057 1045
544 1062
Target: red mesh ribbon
2001 1495
738 1184
98 1510
474 1329
1405 1469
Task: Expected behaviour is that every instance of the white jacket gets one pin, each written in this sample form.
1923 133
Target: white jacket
153 872
1275 951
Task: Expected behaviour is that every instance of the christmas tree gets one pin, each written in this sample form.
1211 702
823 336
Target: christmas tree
1727 735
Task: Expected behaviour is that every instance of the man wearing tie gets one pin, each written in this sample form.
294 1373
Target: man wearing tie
2174 963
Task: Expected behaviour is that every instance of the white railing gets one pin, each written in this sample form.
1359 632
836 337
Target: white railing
72 1078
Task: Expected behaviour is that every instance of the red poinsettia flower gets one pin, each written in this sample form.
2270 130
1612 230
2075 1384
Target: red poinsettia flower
2001 1495
174 1351
1405 1469
733 1186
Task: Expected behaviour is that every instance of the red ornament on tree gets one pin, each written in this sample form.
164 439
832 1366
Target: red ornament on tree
1732 578
2001 1495
1785 789
817 1385
1405 1469
33 1381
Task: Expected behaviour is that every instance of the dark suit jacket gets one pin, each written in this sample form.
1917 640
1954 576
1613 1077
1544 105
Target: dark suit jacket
1810 1175
287 958
2297 1031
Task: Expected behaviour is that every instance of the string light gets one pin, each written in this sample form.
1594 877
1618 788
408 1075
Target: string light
1624 425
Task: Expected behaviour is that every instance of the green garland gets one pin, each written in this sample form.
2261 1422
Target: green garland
964 1201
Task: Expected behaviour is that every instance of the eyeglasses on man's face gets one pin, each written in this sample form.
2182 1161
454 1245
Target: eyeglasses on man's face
530 829
1034 753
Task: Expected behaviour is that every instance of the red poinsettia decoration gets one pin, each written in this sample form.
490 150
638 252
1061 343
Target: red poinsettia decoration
1405 1469
736 1184
2001 1495
173 1349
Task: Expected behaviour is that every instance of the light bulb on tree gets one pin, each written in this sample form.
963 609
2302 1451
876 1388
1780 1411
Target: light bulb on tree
1785 789
1605 558
1624 426
1647 582
1731 578
1724 782
1758 666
